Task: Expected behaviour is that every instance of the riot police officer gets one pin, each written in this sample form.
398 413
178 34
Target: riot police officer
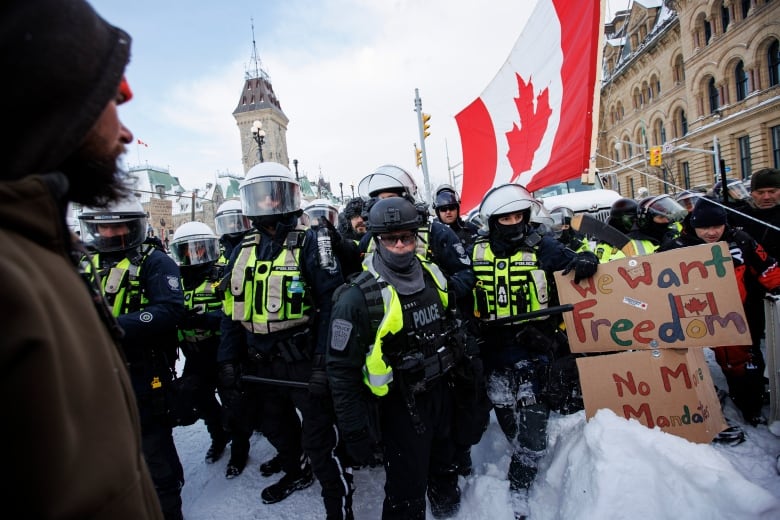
437 242
230 224
655 222
394 338
195 248
528 365
277 303
446 204
141 284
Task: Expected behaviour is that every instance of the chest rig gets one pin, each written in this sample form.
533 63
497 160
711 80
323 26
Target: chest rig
204 298
507 286
268 296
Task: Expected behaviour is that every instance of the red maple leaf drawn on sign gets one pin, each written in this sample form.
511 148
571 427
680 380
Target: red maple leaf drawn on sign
695 305
525 140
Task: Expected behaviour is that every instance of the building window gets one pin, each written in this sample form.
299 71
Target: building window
725 18
707 32
686 174
745 5
775 131
744 156
683 123
714 96
741 80
662 132
774 64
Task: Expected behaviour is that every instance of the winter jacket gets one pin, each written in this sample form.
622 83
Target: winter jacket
70 424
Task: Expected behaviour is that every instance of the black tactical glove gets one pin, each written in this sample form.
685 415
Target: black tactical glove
228 374
359 449
194 319
584 266
318 382
230 394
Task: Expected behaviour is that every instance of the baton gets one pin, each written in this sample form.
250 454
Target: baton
529 315
272 381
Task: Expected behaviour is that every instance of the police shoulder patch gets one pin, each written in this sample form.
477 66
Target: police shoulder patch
173 282
340 331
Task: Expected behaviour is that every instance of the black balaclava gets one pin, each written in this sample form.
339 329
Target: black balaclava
505 240
404 272
62 70
281 224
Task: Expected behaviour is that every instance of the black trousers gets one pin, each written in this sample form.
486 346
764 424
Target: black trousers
201 363
416 463
314 434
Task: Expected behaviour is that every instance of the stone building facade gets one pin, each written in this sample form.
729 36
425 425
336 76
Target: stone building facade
685 76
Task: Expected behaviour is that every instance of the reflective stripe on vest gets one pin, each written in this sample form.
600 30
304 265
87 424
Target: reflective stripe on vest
644 247
377 373
507 286
267 296
203 297
121 285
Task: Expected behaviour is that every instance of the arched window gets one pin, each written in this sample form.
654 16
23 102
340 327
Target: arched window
683 123
741 81
713 95
679 70
707 32
725 17
773 58
745 7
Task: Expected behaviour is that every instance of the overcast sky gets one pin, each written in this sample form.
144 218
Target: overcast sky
345 72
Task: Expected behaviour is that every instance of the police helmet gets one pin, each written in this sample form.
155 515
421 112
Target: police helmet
659 205
506 199
735 189
194 243
230 219
445 195
119 226
561 219
269 188
687 199
321 209
392 214
622 214
387 178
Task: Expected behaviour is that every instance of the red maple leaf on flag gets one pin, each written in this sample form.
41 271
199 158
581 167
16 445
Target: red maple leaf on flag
525 140
695 305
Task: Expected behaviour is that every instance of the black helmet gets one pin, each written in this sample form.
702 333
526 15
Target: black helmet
736 190
445 195
659 205
622 214
392 214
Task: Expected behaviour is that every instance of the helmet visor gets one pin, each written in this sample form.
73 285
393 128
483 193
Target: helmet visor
667 207
229 223
270 198
317 213
108 235
195 251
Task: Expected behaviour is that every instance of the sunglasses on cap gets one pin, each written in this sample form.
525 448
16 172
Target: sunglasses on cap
391 240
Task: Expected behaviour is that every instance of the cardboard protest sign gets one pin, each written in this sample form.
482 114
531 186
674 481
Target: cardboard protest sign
671 389
676 299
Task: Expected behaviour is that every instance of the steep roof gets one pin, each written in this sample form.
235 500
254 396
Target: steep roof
258 94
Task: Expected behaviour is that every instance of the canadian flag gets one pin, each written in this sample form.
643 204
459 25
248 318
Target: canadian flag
141 143
534 122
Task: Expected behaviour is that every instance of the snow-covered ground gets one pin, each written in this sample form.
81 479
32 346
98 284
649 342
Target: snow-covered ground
608 468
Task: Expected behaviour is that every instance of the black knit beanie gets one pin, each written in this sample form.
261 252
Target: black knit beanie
765 178
707 214
62 64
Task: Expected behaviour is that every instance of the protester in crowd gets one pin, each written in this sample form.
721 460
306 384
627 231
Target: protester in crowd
353 226
277 302
67 401
142 285
394 340
743 365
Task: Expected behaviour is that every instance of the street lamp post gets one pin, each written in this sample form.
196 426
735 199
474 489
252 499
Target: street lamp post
295 163
258 134
341 189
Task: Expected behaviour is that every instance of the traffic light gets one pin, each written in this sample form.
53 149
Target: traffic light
426 125
655 156
418 153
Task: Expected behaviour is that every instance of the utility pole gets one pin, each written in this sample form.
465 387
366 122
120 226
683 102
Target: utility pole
422 123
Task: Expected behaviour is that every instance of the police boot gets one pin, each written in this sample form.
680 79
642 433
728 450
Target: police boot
463 460
339 507
271 466
443 492
287 485
239 453
219 440
522 471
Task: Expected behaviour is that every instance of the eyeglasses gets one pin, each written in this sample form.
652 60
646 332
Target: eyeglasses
391 240
450 207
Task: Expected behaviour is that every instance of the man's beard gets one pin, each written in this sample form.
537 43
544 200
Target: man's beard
94 181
